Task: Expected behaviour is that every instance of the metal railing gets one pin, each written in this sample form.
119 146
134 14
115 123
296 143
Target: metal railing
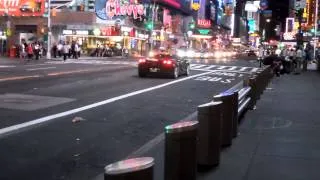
192 143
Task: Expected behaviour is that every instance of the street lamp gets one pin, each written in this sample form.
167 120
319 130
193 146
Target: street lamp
268 20
49 24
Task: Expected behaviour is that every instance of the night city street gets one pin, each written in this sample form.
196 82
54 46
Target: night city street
79 145
159 90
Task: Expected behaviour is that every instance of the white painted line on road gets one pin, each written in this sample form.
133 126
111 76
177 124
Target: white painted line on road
254 69
14 128
221 67
44 68
155 141
243 68
232 68
7 66
209 67
18 78
196 66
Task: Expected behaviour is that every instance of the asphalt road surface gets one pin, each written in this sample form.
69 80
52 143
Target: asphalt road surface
67 120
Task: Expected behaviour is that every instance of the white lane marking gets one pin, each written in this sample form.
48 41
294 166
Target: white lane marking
254 69
221 67
233 68
12 129
7 66
44 68
196 66
243 68
209 67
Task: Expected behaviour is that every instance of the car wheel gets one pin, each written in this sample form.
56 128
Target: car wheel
188 70
175 73
142 74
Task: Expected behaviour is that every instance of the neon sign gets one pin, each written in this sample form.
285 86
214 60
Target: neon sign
206 23
115 8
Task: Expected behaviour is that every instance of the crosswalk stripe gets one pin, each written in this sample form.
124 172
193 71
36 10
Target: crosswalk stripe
243 69
221 67
254 69
198 66
232 68
209 67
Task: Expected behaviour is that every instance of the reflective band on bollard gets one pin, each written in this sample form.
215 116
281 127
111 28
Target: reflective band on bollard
181 151
130 169
227 117
210 121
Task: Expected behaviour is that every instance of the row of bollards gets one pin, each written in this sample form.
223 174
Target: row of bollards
192 143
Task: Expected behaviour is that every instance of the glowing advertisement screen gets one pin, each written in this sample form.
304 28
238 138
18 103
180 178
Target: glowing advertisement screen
22 7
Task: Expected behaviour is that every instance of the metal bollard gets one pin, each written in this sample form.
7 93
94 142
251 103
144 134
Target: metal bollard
210 121
130 169
181 151
235 106
253 93
227 117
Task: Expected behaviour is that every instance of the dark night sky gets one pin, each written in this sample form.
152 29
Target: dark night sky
280 11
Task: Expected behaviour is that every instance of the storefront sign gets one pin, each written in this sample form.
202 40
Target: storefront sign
67 32
204 31
206 23
195 5
116 8
22 7
82 32
173 3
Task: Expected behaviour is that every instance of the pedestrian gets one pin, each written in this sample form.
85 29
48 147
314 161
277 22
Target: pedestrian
298 61
65 49
54 50
59 48
30 51
77 49
37 50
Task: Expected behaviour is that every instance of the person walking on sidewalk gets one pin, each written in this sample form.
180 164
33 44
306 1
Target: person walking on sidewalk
298 61
65 49
30 51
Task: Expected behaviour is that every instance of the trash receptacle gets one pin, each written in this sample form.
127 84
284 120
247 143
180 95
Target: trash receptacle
12 52
209 133
181 151
130 169
227 117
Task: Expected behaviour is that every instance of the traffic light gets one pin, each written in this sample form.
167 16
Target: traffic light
192 25
149 25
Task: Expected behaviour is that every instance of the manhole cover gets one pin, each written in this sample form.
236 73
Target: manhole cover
30 102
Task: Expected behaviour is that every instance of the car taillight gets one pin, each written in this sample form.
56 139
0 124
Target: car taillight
168 62
142 61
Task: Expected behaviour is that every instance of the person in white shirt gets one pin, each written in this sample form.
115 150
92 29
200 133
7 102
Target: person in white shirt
65 49
59 47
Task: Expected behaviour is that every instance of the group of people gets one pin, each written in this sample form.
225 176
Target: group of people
66 50
30 51
290 59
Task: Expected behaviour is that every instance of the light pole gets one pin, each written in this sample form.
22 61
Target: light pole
49 24
49 31
315 29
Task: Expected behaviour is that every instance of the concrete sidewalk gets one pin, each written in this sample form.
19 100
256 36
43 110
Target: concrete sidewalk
277 141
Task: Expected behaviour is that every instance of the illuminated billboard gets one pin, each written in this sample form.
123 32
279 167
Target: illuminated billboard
22 7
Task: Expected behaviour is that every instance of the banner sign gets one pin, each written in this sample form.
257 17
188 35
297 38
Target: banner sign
108 9
22 7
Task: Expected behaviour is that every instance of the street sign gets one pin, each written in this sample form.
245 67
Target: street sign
300 4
